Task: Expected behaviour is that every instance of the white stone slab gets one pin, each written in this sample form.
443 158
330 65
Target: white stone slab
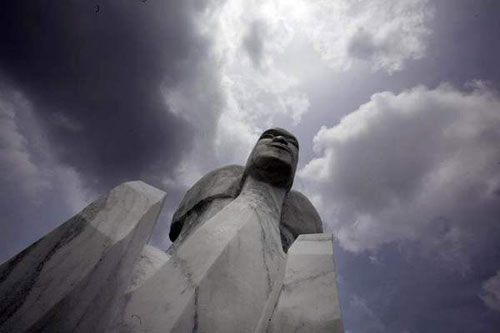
71 279
218 280
308 301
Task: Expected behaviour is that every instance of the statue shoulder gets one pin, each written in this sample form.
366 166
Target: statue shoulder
299 215
220 183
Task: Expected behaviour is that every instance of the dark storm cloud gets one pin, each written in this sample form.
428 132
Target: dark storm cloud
37 193
94 80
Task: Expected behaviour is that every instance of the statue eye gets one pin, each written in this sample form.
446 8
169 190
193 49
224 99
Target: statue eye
295 143
267 136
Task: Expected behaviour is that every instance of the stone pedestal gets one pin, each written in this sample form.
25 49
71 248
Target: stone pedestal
72 279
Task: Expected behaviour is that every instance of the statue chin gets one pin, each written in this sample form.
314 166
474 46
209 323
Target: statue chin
272 169
273 159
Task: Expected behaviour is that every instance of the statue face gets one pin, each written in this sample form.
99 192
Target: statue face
274 157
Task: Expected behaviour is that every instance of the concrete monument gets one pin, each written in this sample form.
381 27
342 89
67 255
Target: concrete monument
248 256
72 279
227 270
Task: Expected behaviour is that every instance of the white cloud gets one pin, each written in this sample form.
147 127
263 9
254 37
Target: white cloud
243 86
383 33
491 292
420 165
253 35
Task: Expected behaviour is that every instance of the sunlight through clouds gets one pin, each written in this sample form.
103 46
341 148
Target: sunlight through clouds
251 35
249 40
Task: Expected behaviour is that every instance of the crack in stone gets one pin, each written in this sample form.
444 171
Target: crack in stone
264 243
195 319
181 264
292 284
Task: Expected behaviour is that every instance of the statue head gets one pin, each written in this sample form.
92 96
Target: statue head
274 158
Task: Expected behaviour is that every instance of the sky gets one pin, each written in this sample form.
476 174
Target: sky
395 103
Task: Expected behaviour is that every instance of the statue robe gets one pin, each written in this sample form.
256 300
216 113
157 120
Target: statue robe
218 188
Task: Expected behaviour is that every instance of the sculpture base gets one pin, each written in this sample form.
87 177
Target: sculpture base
94 273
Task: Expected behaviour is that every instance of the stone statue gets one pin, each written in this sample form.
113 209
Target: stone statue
227 270
274 161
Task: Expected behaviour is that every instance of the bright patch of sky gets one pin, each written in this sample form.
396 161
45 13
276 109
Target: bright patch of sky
251 40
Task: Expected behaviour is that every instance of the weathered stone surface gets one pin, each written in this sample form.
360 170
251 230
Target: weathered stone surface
218 188
218 280
71 280
150 261
308 301
215 186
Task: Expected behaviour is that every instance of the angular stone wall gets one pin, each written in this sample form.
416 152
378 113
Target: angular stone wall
72 279
218 280
166 293
308 301
95 273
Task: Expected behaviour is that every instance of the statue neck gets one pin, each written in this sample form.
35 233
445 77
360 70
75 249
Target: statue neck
263 195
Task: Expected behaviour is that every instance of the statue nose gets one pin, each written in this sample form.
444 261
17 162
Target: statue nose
280 139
